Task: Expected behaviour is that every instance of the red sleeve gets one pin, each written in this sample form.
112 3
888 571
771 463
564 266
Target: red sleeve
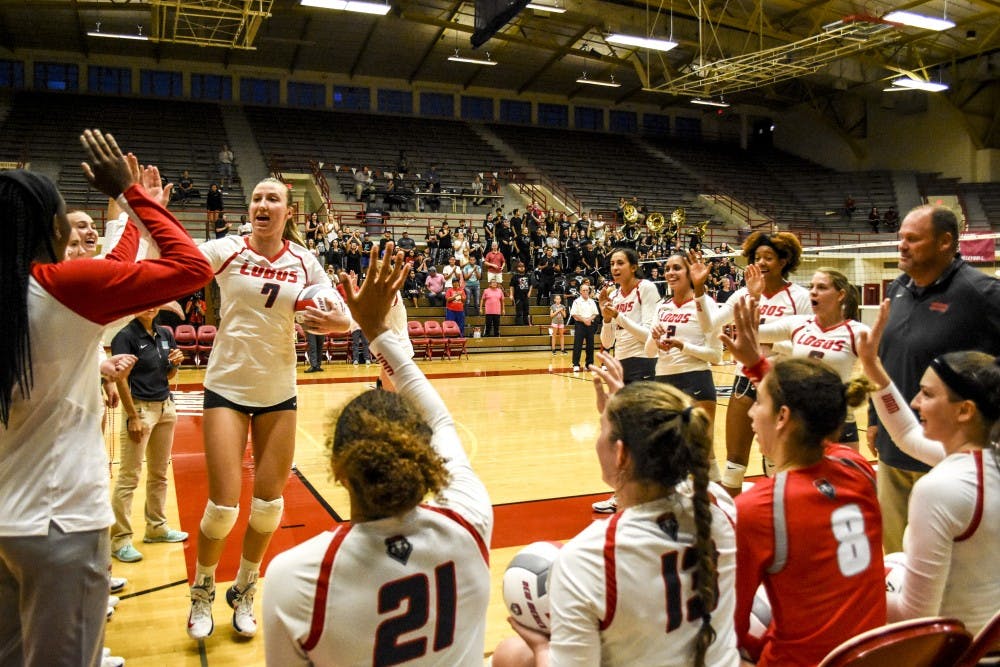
102 291
128 245
754 552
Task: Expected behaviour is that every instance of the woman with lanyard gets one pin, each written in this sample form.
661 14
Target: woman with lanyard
250 390
953 528
684 352
771 259
627 308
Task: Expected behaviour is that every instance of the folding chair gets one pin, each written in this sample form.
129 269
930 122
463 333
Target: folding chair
456 339
986 643
301 344
338 343
921 642
206 339
186 337
436 342
418 337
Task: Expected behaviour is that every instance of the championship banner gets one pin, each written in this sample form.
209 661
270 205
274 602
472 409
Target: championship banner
977 250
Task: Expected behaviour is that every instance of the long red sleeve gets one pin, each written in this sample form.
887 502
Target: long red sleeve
103 291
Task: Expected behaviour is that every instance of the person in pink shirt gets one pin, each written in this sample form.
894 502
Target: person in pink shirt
435 287
492 304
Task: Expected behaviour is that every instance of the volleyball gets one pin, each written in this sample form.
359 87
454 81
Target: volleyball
324 298
895 568
526 585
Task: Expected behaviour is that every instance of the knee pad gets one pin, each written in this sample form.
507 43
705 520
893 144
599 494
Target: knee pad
218 520
265 515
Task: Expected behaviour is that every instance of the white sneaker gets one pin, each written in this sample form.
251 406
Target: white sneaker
244 621
200 621
117 583
576 369
108 660
113 600
609 506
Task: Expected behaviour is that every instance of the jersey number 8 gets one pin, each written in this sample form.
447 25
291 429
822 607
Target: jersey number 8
853 551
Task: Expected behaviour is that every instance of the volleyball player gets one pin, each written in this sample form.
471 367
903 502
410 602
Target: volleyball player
830 333
683 351
812 533
406 580
771 259
953 529
628 307
653 585
250 388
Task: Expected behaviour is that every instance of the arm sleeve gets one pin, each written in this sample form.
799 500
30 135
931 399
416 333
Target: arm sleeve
638 329
650 348
132 286
607 334
778 330
576 635
711 351
712 316
650 303
928 542
754 548
465 490
904 428
284 602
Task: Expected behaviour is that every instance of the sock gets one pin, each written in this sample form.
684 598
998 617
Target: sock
204 576
247 575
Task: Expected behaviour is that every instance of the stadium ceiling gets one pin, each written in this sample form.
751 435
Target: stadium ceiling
772 54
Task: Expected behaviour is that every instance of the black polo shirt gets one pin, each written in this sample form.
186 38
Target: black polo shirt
148 379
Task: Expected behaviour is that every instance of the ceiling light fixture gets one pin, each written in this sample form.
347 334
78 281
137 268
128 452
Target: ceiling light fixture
641 42
918 84
472 61
919 20
597 82
722 104
377 8
118 35
545 8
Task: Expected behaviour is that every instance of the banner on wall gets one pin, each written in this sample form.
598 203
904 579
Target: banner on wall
977 250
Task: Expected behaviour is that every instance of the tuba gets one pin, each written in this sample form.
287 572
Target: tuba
630 213
655 222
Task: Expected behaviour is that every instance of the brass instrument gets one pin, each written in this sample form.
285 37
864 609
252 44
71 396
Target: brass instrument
655 222
630 213
678 218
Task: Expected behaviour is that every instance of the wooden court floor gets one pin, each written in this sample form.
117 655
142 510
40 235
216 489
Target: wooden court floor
527 421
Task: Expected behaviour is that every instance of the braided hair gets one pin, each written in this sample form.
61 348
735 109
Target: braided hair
669 441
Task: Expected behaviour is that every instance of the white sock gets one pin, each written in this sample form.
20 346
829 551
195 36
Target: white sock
732 476
247 575
204 576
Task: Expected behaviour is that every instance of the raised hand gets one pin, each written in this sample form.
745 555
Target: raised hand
754 279
744 345
370 305
108 170
613 377
698 270
153 184
868 348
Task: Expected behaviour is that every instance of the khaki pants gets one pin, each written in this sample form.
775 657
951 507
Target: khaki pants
894 487
158 420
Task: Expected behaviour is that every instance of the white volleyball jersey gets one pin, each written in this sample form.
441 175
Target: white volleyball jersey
792 299
836 346
681 322
407 589
253 358
621 591
639 306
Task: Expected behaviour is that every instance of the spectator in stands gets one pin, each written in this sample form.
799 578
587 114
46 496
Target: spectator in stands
520 293
435 287
405 242
849 207
939 304
874 218
493 186
492 304
312 225
195 309
352 257
546 276
476 248
221 224
245 226
460 247
411 288
891 219
444 246
472 273
455 299
382 242
658 281
434 187
185 189
421 265
335 255
363 180
214 203
505 236
451 272
226 158
402 164
476 190
489 227
494 263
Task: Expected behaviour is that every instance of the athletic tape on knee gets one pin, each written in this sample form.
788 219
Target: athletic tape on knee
265 515
218 520
732 476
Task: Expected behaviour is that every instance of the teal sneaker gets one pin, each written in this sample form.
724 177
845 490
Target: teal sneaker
127 554
170 535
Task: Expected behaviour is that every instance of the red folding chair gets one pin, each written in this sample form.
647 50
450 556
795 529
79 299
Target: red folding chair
456 339
186 338
418 337
301 344
921 642
206 339
986 643
436 341
338 343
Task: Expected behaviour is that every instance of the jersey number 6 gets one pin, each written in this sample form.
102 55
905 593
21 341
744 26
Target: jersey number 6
413 594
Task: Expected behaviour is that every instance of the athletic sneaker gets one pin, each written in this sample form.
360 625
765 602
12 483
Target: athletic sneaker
108 660
576 369
609 506
117 583
200 621
113 600
242 603
169 535
127 554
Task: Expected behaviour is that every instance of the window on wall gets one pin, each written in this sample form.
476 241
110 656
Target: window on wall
212 87
259 91
515 111
395 101
477 108
11 74
306 94
623 121
57 76
110 80
589 118
656 124
553 115
441 105
688 128
161 84
352 97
